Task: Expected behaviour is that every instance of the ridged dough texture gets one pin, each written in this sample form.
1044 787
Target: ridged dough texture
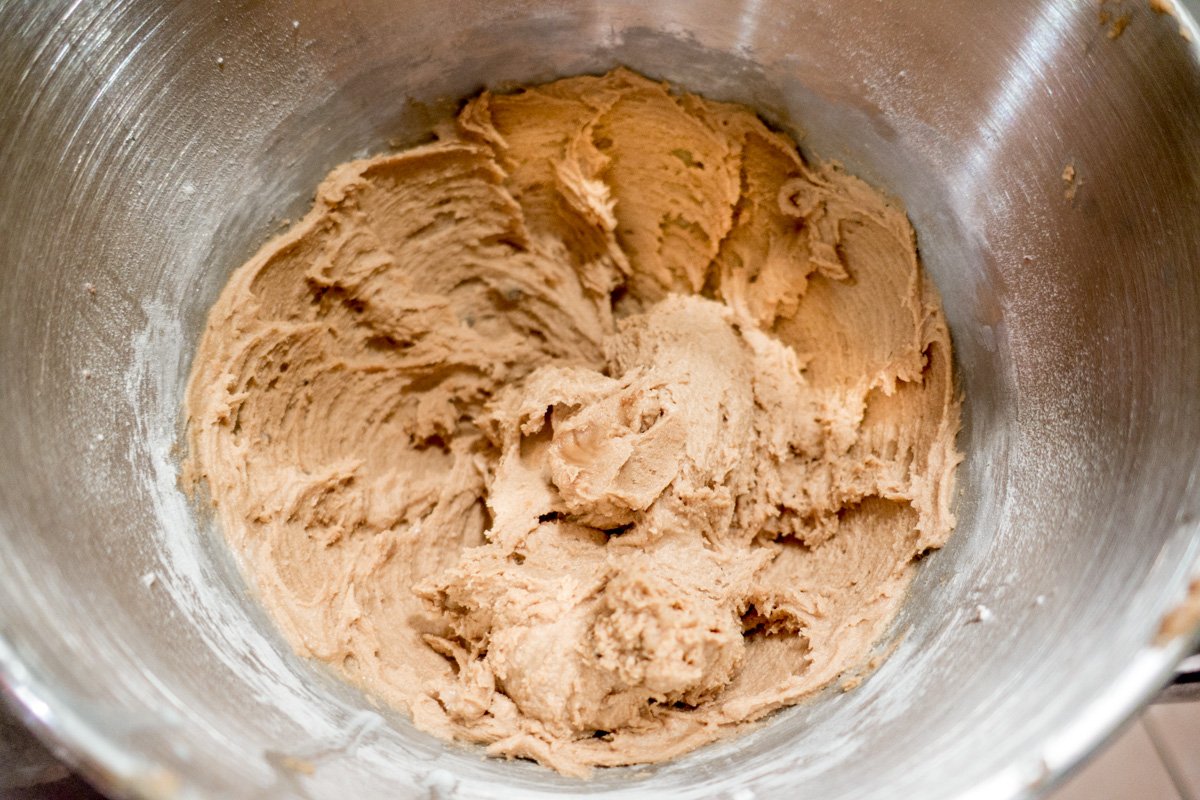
593 431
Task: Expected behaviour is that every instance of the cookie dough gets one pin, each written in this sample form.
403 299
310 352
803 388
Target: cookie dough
593 431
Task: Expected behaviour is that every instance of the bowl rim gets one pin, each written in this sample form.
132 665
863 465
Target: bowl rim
123 772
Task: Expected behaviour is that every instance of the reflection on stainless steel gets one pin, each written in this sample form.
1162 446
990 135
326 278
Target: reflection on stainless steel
147 146
1026 72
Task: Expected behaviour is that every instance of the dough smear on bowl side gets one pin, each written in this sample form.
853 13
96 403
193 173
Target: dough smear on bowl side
592 432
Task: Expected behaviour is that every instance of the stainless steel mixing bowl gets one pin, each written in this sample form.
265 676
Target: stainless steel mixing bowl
148 148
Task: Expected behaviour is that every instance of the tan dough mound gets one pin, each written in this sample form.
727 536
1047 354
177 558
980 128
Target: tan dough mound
593 431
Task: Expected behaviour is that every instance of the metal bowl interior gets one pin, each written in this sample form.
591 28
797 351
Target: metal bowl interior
150 148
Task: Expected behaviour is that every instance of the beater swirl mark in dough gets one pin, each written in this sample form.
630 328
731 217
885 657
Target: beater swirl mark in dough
593 431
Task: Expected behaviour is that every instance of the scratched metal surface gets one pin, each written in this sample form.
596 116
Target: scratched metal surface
148 148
